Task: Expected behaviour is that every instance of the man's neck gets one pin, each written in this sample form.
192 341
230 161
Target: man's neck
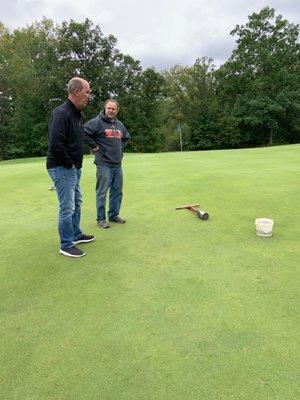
111 119
73 101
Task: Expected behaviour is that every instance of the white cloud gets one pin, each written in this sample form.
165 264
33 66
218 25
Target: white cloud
159 33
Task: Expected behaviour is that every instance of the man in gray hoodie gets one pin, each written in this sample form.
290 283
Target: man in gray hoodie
108 137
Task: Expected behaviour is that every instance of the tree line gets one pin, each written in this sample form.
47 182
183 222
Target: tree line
253 99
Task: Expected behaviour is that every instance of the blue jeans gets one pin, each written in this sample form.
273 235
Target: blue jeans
108 178
67 183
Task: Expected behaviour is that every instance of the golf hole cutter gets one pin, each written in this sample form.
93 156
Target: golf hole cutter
200 213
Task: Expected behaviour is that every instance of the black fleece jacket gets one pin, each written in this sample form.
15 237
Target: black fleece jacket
66 137
111 136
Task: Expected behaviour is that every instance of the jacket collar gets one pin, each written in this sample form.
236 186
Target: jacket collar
72 107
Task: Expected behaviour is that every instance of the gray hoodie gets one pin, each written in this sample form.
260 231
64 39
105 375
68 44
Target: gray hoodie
111 136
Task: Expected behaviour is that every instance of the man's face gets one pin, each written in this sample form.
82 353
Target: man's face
111 110
83 96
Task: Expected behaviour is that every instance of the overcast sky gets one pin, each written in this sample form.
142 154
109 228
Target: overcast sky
159 33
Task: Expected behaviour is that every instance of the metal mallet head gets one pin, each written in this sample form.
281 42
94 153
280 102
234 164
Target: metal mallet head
202 215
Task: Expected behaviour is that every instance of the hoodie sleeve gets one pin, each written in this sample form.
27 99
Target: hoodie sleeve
90 132
126 138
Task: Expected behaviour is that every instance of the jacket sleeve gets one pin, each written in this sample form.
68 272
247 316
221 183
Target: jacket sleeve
90 132
58 130
126 138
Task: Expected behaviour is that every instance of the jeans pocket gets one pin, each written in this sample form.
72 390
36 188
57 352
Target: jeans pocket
52 174
63 176
69 176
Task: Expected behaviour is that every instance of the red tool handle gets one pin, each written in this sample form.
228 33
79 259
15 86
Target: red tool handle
188 207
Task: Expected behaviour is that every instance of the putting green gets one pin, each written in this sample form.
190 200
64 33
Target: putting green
166 306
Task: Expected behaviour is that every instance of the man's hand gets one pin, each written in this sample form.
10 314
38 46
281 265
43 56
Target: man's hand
95 149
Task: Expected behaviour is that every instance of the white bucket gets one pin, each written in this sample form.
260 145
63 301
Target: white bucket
264 227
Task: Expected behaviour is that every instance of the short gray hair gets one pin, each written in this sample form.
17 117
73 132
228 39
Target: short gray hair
73 84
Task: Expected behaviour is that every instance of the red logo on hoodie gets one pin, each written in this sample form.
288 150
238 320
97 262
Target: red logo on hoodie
113 133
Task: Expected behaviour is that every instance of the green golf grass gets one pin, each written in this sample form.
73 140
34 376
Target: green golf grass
166 306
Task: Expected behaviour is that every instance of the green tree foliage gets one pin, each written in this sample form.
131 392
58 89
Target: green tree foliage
192 103
28 62
259 86
37 62
31 56
84 51
141 111
5 95
251 100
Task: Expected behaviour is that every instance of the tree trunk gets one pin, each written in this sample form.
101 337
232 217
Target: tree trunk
271 137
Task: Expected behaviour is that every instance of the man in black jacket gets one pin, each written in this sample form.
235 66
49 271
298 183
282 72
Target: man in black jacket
64 162
108 137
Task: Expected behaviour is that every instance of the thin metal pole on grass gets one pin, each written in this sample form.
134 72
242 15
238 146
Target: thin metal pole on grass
180 135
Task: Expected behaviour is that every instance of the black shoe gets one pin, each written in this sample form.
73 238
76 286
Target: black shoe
103 224
84 239
72 252
117 220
